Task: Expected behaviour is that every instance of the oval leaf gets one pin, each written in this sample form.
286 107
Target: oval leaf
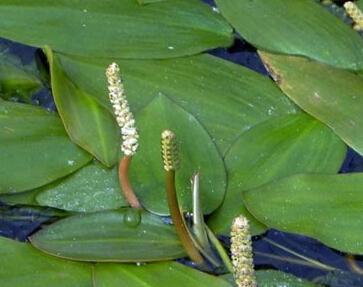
34 148
23 266
325 207
153 275
226 98
295 27
92 188
333 96
88 124
277 148
115 29
197 152
123 236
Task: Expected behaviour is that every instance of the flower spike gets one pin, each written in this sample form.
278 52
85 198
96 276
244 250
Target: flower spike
241 249
355 13
169 150
124 116
129 134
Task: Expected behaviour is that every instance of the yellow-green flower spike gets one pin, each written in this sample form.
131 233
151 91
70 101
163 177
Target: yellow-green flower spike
169 150
241 249
355 13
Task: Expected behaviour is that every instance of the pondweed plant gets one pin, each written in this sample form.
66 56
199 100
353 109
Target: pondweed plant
237 148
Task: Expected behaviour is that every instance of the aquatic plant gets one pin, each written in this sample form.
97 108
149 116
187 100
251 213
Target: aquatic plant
156 149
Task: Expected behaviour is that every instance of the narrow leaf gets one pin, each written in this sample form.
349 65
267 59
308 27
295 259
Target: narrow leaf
126 235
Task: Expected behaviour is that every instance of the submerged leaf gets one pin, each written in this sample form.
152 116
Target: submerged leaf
16 79
34 148
298 27
197 152
274 149
92 188
115 29
127 235
333 96
325 207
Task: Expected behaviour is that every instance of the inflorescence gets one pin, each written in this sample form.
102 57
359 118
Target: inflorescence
241 249
124 116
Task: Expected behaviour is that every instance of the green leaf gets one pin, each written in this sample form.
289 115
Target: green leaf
295 27
153 275
126 235
34 148
333 96
226 98
23 266
197 152
16 79
274 149
92 188
325 207
88 124
115 29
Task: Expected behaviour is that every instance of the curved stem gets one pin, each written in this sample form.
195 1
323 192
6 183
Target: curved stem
125 183
178 221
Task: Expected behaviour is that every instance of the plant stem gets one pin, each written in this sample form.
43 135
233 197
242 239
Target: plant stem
125 183
178 221
220 249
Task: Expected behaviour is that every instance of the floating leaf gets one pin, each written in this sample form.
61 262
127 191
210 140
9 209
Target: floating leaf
92 188
333 96
127 235
88 124
325 207
226 98
115 29
153 275
34 148
197 152
274 149
23 266
296 28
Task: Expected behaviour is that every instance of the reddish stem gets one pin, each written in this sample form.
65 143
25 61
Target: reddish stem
126 187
